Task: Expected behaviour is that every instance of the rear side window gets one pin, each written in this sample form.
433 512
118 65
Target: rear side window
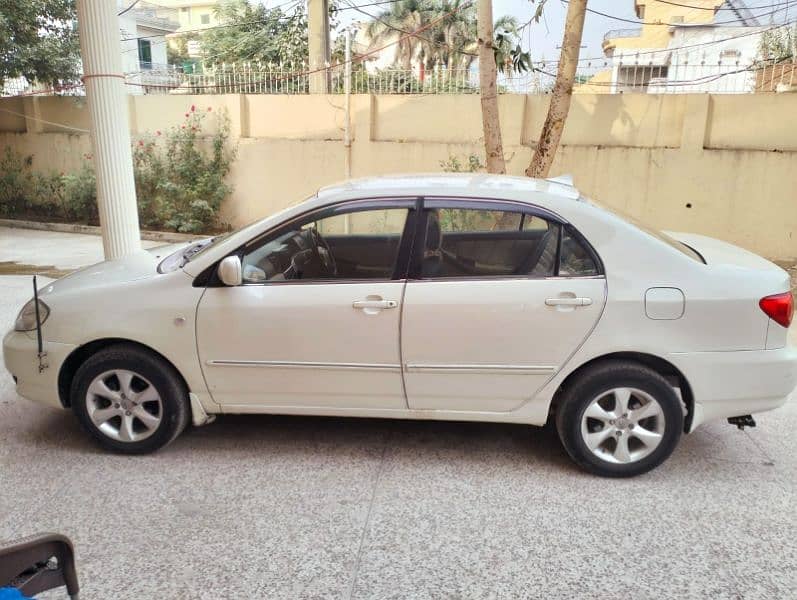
575 260
463 242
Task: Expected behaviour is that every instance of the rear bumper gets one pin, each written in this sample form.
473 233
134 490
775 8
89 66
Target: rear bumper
731 384
21 359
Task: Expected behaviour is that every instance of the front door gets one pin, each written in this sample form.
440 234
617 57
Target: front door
316 321
500 305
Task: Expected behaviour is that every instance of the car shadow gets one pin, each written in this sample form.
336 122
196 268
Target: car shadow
238 436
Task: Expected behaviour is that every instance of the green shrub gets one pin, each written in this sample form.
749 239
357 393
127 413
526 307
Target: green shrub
79 193
15 182
179 178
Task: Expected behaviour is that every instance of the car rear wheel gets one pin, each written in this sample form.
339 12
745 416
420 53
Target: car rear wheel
619 419
129 399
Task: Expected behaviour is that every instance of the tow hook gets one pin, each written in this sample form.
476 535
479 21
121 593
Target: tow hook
742 422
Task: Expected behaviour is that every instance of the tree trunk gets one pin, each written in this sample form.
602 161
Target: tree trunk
493 147
562 91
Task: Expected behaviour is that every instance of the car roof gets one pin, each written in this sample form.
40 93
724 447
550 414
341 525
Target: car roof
450 184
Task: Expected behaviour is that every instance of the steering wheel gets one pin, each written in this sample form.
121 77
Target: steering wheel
323 253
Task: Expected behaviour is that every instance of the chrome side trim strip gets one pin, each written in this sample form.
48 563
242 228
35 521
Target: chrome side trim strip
480 369
282 364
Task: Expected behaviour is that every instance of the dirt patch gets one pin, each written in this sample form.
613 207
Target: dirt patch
14 268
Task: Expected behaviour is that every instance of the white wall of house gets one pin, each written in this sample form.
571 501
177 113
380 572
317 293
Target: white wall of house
698 59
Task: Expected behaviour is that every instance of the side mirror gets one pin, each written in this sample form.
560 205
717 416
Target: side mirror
230 271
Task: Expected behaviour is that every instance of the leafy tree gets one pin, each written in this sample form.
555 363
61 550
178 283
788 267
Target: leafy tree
450 41
38 41
778 44
266 35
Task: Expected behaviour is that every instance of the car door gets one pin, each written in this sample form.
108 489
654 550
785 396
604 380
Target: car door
502 295
315 322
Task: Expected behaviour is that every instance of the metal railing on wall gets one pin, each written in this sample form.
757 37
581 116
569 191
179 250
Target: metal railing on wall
632 74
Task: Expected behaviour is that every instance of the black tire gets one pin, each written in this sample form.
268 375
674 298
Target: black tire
599 379
174 406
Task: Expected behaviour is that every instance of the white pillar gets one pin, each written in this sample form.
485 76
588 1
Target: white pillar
100 48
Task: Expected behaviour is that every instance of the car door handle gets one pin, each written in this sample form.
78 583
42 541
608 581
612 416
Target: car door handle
568 301
374 304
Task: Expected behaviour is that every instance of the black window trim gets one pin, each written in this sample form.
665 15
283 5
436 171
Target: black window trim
209 277
481 203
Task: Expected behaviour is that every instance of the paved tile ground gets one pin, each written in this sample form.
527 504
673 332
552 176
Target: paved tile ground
284 507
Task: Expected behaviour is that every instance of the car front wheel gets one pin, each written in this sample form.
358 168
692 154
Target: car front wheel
619 419
129 400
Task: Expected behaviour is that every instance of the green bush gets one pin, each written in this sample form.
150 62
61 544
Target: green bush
179 178
15 182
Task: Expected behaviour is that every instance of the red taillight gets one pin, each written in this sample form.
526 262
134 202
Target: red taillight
779 307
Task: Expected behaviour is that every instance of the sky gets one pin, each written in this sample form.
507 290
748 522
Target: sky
544 38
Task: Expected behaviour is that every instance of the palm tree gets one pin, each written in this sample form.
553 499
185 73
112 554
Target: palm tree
403 17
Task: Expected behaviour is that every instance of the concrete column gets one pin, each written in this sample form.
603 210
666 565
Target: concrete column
100 48
318 42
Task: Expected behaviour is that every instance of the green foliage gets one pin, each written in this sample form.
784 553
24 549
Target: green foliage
38 41
472 164
79 196
179 176
778 44
266 35
180 181
15 180
451 40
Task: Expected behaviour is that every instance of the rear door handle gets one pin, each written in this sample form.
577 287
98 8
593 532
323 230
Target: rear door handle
374 304
568 301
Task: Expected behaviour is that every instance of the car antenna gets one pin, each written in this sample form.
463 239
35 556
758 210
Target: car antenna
40 346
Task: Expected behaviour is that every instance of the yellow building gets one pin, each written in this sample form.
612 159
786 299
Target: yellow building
657 17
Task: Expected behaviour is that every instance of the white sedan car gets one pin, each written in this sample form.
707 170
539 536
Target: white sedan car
452 297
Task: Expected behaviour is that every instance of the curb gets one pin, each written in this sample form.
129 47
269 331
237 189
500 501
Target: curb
153 236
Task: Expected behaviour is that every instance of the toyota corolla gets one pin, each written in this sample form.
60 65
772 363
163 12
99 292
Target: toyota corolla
452 297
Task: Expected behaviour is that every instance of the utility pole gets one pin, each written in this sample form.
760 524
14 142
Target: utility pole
318 42
491 125
100 48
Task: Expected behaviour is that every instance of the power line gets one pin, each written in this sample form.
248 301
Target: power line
771 5
128 8
637 22
757 31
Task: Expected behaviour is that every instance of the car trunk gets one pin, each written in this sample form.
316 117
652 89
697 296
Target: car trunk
746 276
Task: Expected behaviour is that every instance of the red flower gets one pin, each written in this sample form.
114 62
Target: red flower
209 109
140 142
186 115
182 126
193 108
158 132
193 129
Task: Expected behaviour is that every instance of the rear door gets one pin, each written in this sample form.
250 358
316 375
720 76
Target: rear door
502 296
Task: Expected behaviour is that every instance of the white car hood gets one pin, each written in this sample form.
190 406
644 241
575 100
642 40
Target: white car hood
139 265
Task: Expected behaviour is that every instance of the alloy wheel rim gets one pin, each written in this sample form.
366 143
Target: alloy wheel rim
623 425
124 406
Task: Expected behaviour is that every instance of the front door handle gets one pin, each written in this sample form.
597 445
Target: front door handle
374 304
568 301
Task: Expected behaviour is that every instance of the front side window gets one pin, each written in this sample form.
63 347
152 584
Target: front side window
357 245
464 242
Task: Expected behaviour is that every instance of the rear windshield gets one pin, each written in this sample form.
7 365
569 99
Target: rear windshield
659 235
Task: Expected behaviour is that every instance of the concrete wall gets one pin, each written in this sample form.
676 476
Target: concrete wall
724 166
